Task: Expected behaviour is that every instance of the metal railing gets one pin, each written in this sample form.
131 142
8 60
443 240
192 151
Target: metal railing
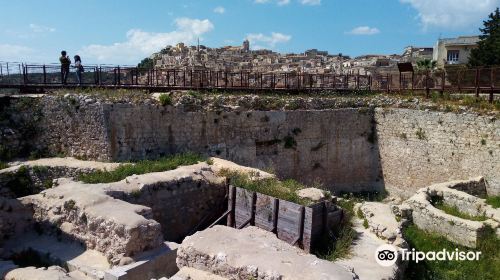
461 80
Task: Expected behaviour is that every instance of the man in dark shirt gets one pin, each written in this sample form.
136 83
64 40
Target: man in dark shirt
65 63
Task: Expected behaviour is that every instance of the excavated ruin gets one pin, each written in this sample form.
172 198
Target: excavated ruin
168 224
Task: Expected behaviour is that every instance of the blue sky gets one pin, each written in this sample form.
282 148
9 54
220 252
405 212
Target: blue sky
123 32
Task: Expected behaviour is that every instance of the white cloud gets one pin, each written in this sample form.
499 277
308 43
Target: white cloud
452 13
283 2
140 44
286 2
10 52
310 2
41 29
364 30
261 41
219 10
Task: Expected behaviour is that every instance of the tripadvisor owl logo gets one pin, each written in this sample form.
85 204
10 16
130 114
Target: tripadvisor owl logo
386 255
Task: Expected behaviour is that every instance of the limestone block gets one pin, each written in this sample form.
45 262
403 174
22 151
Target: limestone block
313 194
382 222
156 263
32 273
252 253
87 214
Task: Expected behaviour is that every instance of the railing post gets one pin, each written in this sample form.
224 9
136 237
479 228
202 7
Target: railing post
25 73
119 82
136 76
492 84
387 78
357 81
184 78
427 89
44 75
443 81
99 77
412 81
477 81
459 80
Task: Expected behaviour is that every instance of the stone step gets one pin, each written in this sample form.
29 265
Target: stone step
252 253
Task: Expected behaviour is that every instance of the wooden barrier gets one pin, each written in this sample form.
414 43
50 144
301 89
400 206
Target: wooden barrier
294 223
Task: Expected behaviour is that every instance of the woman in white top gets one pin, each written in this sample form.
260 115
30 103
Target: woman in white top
79 69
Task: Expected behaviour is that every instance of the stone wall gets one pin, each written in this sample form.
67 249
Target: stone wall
75 126
346 149
418 148
336 147
183 200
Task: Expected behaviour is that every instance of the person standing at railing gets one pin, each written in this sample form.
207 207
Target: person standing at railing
79 69
65 64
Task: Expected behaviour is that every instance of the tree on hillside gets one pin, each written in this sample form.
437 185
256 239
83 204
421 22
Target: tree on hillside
147 63
488 50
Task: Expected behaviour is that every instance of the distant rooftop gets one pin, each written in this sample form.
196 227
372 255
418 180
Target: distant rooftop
461 40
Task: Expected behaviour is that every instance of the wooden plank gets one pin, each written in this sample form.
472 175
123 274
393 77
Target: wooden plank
265 212
243 206
288 221
231 206
313 225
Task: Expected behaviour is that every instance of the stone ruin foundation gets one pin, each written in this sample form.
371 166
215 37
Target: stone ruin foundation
131 229
117 231
420 209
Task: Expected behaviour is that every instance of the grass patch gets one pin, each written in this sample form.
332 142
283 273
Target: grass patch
285 190
3 165
141 167
336 243
494 201
364 196
165 99
454 211
20 183
486 268
421 134
290 142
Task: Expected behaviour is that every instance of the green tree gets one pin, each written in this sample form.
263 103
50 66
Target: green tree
147 63
426 65
488 51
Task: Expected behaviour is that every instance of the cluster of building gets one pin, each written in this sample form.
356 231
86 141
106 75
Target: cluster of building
241 58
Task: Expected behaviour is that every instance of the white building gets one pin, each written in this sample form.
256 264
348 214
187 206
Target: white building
454 50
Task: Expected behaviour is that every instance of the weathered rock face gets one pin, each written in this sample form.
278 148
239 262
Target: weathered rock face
419 148
399 149
31 177
306 145
252 253
86 213
182 200
15 219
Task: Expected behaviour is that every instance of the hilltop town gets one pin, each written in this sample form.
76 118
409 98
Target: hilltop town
451 51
